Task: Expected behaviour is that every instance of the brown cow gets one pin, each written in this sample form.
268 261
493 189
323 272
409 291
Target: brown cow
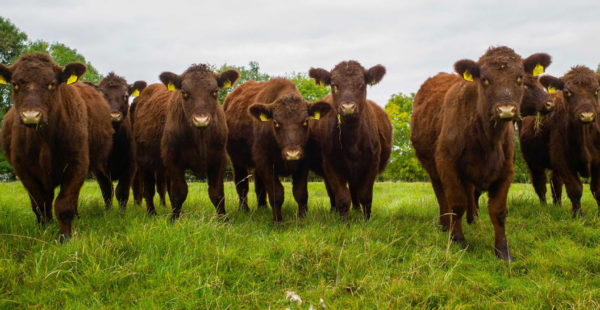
355 142
121 162
567 140
465 141
268 129
186 128
54 134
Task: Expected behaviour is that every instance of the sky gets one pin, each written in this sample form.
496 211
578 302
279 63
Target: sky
412 39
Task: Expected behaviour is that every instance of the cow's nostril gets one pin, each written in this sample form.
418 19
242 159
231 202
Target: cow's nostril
31 117
201 120
586 117
549 105
293 154
506 111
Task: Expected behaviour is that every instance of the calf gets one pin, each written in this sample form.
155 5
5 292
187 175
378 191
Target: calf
54 134
268 129
463 135
567 140
121 162
354 143
182 126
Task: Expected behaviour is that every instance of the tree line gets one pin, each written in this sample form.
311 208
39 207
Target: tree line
403 163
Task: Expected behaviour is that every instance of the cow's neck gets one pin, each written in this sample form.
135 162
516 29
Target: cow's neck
582 138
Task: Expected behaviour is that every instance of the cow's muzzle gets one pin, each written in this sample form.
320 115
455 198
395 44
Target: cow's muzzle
201 120
31 117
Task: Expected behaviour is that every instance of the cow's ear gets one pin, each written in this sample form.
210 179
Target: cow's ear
536 64
71 72
261 112
227 78
467 68
171 80
318 109
5 74
374 74
322 77
136 88
552 84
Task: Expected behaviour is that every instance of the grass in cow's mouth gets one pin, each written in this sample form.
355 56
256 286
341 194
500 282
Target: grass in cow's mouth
399 259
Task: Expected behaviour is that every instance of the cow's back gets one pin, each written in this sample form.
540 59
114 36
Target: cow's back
385 132
7 125
427 118
149 122
99 127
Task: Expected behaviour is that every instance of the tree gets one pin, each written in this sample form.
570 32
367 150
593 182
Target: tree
12 44
252 72
403 163
307 87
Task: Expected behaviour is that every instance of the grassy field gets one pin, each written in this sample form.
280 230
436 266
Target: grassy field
398 259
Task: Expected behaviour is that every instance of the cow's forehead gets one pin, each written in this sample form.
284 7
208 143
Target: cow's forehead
290 107
33 71
581 77
199 80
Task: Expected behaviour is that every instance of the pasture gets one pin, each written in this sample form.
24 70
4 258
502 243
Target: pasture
399 259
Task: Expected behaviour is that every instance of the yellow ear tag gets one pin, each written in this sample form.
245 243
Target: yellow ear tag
2 80
72 79
467 76
372 83
135 93
539 69
317 115
551 89
171 87
227 84
263 117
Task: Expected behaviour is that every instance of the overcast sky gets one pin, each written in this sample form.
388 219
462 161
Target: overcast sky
413 39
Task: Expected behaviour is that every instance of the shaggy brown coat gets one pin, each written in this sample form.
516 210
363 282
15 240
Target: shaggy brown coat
355 142
567 140
268 129
465 141
54 134
183 129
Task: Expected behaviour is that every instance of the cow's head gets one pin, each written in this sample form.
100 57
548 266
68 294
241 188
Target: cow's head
35 79
535 98
348 81
580 87
289 116
116 91
499 74
197 90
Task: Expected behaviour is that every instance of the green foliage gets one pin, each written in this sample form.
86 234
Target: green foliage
400 259
63 55
598 69
403 164
250 73
307 87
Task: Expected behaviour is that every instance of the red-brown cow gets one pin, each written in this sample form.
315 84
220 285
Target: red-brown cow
355 142
121 162
181 129
54 134
465 141
268 129
566 141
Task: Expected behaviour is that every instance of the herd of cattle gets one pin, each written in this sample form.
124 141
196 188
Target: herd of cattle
59 130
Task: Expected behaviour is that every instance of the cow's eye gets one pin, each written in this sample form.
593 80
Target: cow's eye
305 124
596 92
520 80
334 88
276 124
185 95
51 86
568 93
15 86
485 81
125 97
525 86
215 93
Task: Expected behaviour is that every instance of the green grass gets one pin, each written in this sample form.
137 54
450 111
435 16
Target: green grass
399 259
